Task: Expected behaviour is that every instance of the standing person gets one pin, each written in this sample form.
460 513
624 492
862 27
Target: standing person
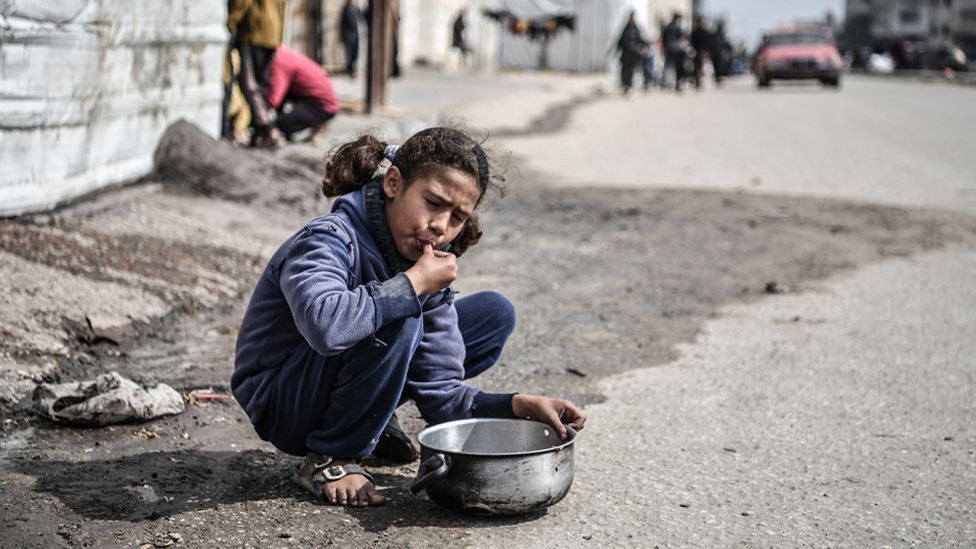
630 47
237 114
701 42
355 314
649 70
673 41
349 30
721 52
296 78
395 71
256 28
457 37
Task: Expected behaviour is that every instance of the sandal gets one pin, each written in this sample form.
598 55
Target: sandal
316 471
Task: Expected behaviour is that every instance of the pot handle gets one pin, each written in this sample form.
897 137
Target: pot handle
433 468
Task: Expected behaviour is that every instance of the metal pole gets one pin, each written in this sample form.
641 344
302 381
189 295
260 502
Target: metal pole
314 37
376 65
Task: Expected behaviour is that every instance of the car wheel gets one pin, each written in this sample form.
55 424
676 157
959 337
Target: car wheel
832 82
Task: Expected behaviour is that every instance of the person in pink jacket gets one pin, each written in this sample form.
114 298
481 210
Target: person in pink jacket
296 79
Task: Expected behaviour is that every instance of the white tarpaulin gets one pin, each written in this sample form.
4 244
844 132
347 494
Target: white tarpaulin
87 88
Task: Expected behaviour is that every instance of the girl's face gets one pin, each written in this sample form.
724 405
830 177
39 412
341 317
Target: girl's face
431 210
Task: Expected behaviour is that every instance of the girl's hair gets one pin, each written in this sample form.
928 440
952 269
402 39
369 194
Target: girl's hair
353 164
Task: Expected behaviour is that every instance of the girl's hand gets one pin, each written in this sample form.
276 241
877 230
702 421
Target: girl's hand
434 271
552 411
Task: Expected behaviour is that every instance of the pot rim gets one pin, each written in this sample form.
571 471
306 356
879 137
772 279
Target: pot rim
570 438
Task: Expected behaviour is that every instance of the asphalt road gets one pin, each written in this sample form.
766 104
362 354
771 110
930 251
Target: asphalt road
882 141
841 416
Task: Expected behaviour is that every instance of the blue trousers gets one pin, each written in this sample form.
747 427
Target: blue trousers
339 405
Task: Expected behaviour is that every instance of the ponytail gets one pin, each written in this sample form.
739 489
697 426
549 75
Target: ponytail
352 165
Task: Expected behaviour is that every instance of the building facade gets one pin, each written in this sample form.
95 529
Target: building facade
931 21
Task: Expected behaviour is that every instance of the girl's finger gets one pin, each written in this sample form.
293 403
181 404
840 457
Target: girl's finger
553 420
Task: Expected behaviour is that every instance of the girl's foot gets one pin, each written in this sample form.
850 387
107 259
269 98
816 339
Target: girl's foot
338 481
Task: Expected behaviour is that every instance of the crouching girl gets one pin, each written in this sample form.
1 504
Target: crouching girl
355 314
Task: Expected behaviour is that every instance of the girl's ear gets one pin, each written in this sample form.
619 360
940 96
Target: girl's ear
392 182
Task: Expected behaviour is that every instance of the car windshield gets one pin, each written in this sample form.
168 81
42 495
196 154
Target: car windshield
806 38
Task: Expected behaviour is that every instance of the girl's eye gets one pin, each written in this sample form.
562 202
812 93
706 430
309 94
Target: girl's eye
433 203
459 218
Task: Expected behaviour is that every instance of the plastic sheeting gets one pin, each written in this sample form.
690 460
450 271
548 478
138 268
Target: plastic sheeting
87 87
107 399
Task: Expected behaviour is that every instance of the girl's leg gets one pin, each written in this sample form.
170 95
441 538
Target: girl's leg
338 406
486 320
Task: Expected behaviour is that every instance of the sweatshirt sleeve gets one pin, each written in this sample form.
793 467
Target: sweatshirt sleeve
436 374
315 278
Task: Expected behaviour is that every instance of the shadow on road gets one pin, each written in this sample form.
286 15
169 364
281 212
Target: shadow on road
151 486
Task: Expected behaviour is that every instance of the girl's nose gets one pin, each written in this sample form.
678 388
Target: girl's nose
438 224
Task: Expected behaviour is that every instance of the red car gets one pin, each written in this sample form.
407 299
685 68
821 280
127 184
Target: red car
798 55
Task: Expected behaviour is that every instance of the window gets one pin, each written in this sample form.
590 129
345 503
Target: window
909 17
786 39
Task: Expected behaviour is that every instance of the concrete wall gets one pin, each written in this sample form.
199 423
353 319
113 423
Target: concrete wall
88 86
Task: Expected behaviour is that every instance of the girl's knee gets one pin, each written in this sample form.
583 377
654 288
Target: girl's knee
497 307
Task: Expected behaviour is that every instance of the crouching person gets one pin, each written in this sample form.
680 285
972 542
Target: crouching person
355 314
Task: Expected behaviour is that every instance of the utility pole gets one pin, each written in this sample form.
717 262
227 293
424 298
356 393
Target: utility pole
313 37
378 62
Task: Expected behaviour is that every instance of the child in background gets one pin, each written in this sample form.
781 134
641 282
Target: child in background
355 314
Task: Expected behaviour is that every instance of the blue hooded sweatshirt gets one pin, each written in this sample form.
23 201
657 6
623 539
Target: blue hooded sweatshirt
329 285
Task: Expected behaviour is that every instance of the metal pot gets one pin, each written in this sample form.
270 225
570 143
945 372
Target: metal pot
495 466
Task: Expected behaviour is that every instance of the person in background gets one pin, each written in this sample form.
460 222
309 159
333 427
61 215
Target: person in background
631 47
673 42
701 42
457 38
721 52
256 28
349 30
648 66
237 118
302 82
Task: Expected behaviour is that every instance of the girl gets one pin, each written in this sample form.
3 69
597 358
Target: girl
355 314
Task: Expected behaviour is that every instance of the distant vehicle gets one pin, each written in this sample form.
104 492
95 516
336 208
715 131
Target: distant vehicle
947 56
918 55
798 55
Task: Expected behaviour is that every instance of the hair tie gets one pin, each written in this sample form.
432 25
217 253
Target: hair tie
390 152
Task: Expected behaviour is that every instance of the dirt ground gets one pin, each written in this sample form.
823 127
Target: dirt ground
603 281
